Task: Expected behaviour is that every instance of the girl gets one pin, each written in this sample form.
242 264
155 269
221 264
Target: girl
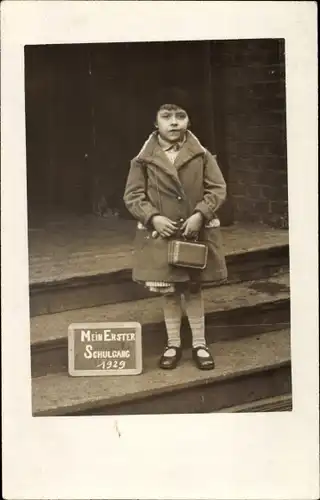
175 184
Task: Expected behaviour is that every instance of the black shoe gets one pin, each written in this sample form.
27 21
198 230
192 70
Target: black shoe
203 363
170 362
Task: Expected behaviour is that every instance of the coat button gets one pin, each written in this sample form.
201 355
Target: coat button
179 198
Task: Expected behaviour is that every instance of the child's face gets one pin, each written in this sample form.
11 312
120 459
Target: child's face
172 124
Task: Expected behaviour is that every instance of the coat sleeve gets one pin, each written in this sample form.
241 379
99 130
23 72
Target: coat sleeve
215 190
135 195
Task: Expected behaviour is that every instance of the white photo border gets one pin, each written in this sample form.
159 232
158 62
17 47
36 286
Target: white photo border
225 456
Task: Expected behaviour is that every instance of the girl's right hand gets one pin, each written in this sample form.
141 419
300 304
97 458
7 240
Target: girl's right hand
164 226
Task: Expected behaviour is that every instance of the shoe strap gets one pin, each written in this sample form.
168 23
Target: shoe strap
168 347
199 348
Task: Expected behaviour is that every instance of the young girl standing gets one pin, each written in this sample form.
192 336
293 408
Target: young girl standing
175 184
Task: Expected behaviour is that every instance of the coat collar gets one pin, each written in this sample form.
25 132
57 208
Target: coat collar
151 148
151 152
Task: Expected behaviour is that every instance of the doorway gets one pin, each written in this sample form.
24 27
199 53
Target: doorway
89 109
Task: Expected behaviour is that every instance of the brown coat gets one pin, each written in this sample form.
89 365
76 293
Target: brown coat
155 186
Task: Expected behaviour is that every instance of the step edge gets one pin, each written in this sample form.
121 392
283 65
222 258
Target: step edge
62 340
274 364
275 401
122 274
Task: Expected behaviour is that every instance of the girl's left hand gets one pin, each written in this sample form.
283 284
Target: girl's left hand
192 226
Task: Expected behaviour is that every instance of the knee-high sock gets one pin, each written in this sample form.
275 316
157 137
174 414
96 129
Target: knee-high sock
172 317
195 311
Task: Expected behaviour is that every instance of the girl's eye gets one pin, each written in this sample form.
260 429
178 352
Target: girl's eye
181 116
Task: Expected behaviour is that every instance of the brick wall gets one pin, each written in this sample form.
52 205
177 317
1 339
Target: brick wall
253 128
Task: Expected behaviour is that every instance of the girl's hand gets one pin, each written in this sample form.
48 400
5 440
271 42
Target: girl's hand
164 226
192 225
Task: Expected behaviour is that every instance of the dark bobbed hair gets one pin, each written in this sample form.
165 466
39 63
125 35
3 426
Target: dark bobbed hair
171 107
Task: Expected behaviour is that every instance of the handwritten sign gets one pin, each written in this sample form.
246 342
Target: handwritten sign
104 349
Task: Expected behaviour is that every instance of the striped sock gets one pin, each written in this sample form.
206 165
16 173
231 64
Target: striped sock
172 317
195 311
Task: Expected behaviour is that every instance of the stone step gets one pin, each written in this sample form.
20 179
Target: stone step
247 370
232 311
91 289
275 403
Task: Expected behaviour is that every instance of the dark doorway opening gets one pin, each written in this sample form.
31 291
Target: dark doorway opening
90 107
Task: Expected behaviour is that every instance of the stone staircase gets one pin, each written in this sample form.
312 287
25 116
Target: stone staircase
247 322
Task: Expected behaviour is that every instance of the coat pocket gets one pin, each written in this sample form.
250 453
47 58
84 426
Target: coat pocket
216 253
150 255
143 235
213 238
